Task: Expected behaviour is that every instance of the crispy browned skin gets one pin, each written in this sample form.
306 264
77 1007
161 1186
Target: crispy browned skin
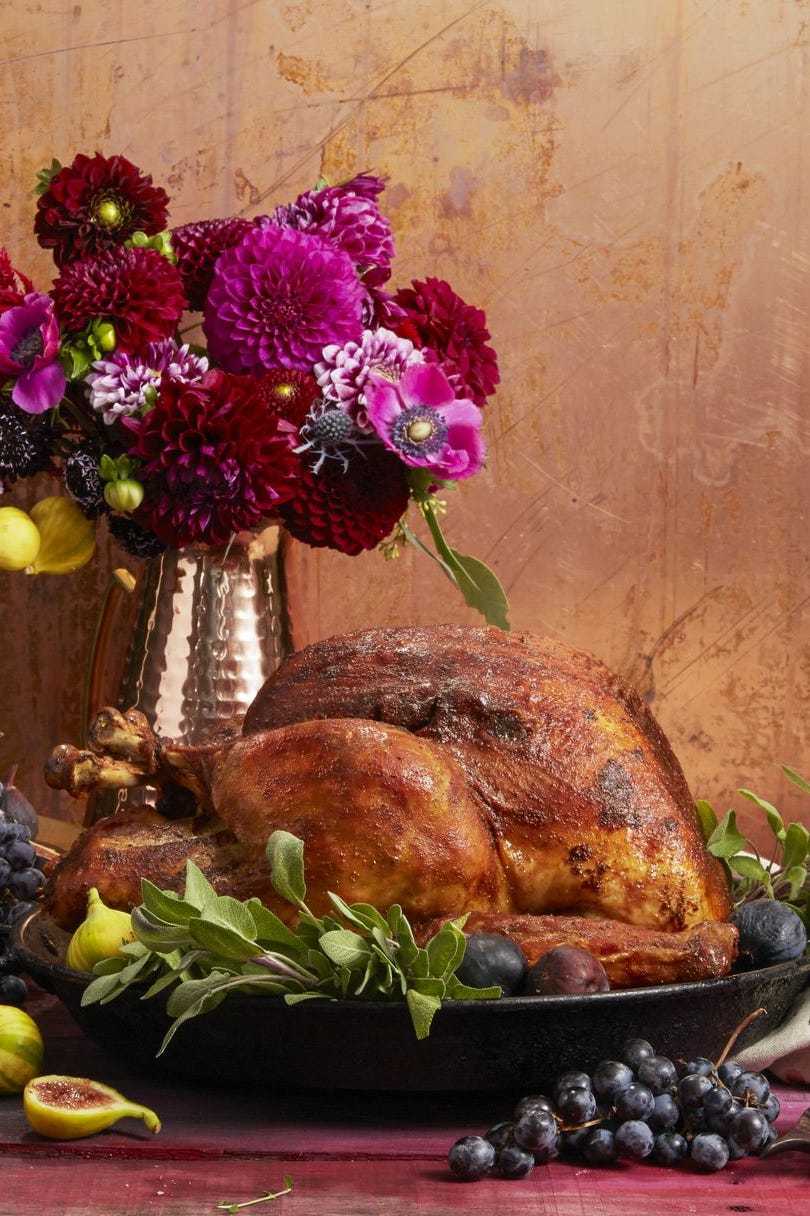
587 802
631 955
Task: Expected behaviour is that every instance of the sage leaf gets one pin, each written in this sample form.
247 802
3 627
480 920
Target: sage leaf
796 779
707 817
750 867
345 948
166 905
445 950
797 842
726 839
422 1009
285 853
775 821
218 939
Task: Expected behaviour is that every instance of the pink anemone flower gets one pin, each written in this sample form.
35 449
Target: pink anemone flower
29 351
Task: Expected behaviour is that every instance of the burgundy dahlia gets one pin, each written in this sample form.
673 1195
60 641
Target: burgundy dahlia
14 286
96 203
277 298
288 395
214 460
348 509
137 290
456 332
197 247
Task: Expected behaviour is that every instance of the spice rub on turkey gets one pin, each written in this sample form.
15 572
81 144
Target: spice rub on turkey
448 769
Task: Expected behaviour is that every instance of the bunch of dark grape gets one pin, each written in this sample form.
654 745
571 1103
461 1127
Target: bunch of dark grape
636 1107
21 876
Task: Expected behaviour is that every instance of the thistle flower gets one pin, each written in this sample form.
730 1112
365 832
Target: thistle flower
96 203
420 418
29 351
277 298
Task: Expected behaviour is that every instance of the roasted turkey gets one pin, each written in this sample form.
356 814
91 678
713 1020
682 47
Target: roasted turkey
451 770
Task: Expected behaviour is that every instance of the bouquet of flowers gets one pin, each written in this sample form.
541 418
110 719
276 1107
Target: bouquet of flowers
321 399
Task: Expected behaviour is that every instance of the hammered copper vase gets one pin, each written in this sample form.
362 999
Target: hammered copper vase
192 644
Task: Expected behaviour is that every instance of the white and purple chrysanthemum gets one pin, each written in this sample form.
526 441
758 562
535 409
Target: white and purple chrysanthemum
344 371
278 298
125 384
29 352
420 418
346 216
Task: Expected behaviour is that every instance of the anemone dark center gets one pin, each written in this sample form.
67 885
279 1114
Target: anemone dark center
420 431
29 346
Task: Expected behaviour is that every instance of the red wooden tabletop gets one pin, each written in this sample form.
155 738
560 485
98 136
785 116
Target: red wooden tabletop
347 1155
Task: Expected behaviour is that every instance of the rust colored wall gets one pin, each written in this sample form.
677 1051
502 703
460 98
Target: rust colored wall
623 187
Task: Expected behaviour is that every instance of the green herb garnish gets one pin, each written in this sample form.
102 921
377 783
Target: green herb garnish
783 875
202 946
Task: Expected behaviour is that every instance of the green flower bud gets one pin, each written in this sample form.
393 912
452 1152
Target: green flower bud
104 336
124 495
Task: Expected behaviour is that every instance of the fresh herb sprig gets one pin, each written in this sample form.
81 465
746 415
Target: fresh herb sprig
202 946
784 874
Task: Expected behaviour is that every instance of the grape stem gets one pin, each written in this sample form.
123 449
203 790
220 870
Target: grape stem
736 1034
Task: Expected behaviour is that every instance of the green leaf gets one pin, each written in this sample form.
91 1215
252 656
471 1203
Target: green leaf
156 934
422 1009
750 867
796 779
225 943
345 948
794 879
775 821
707 817
166 905
231 914
478 584
797 842
272 933
456 991
445 951
364 916
198 890
285 853
726 839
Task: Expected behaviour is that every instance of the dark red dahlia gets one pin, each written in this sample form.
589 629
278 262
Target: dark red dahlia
95 204
137 290
214 460
348 510
455 331
197 247
287 394
14 286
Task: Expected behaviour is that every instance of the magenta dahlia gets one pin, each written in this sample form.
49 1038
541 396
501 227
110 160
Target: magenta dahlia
456 332
420 418
197 247
96 203
137 290
349 508
214 460
277 298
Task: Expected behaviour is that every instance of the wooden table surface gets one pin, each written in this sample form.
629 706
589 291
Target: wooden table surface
347 1155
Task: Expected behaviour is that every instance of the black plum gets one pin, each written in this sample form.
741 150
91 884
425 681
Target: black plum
490 959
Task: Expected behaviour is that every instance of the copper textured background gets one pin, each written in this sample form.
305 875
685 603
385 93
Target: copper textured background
623 186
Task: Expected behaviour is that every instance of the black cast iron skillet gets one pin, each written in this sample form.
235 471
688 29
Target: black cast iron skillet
516 1043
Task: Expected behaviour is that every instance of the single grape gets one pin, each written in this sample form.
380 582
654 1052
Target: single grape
771 1108
769 932
749 1129
567 971
20 854
709 1152
634 1139
609 1077
514 1161
5 873
735 1152
576 1105
532 1102
728 1071
493 958
669 1148
702 1066
636 1050
751 1086
24 884
13 991
550 1152
471 1158
665 1114
718 1100
692 1089
720 1120
571 1141
13 831
658 1072
571 1080
500 1134
598 1147
635 1102
536 1130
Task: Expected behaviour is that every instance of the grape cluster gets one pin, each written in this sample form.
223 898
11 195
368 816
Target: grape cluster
636 1107
20 876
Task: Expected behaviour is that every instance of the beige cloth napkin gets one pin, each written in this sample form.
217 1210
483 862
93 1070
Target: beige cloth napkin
786 1050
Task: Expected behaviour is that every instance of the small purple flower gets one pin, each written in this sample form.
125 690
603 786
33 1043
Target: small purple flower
29 350
420 418
126 383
